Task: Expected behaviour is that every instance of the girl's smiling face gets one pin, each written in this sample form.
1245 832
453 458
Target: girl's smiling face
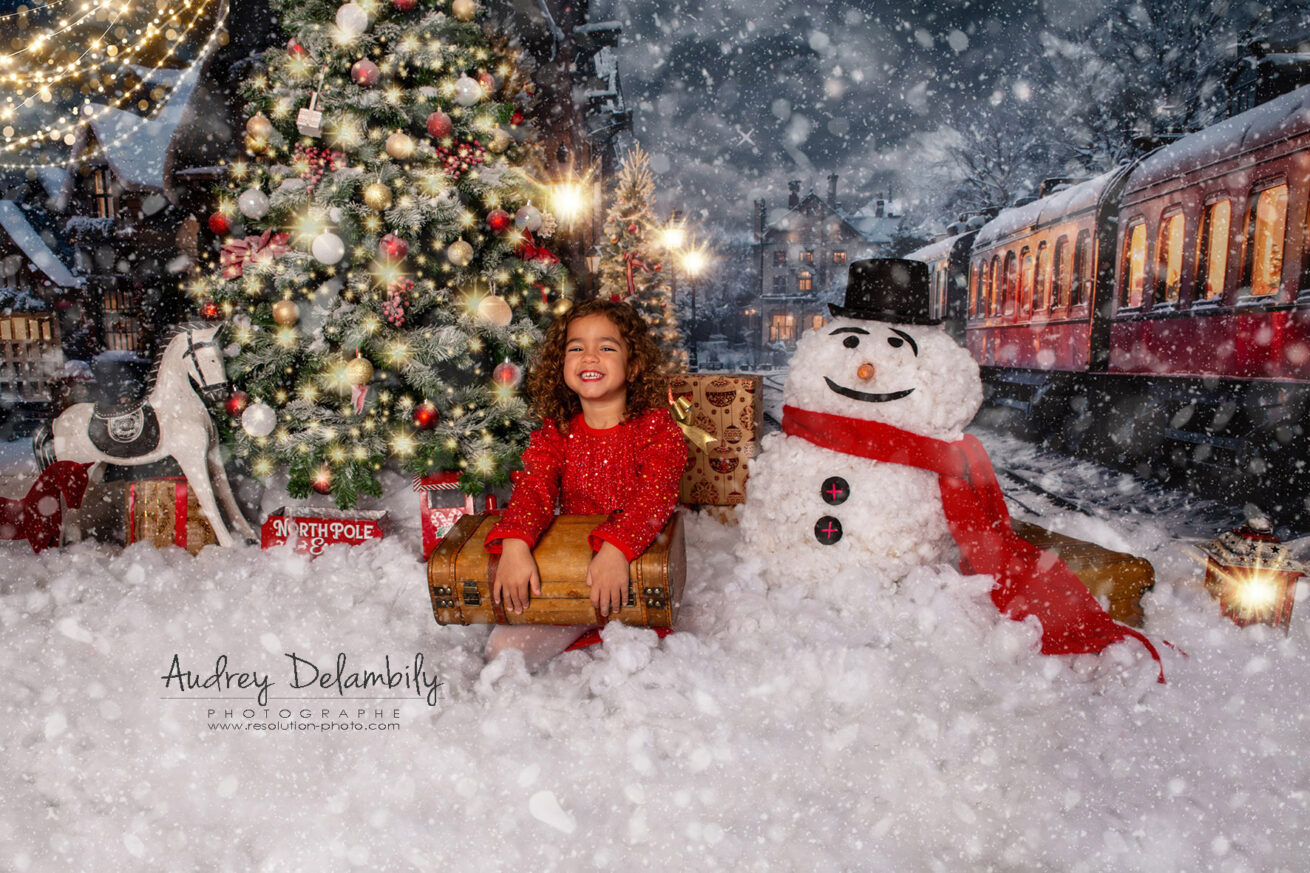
596 362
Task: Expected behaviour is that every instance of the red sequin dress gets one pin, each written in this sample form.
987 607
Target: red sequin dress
629 473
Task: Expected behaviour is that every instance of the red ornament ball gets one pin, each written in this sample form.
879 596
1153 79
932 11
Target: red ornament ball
237 402
220 224
210 311
322 481
499 220
439 125
517 118
507 374
426 416
632 228
393 248
365 73
657 267
404 5
487 81
295 49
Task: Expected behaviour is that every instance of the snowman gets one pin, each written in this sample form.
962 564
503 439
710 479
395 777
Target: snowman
873 471
816 511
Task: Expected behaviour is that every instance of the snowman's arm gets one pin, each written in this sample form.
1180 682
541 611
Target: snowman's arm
532 502
662 455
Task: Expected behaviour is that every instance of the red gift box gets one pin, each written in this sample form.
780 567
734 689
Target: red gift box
312 530
165 512
441 504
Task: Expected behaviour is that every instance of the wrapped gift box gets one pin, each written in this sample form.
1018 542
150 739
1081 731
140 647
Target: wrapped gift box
441 504
312 530
165 512
730 409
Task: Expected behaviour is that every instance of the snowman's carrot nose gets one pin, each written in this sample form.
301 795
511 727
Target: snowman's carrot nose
865 372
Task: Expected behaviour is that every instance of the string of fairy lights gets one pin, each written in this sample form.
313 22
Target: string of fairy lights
107 49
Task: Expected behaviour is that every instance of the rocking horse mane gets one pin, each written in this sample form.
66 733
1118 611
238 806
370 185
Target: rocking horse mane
169 335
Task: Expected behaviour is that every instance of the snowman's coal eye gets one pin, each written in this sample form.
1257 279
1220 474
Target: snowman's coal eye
895 342
851 342
902 338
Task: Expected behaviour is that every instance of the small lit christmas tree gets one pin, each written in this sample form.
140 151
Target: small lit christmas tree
630 267
379 269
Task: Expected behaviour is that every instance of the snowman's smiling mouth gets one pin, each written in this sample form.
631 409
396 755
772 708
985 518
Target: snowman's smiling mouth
865 395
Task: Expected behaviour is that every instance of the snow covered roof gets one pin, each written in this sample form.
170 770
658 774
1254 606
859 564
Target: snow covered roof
935 251
26 238
1264 124
1047 210
866 223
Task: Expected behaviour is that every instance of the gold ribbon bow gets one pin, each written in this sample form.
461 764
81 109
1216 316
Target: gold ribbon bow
681 409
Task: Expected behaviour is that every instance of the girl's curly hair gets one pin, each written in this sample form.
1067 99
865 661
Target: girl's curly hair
647 379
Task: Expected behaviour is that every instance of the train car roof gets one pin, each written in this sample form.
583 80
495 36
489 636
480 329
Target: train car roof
1264 124
1045 211
935 251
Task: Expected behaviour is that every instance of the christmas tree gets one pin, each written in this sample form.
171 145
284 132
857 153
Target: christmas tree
378 271
630 268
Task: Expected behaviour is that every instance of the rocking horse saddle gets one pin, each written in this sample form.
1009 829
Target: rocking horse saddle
124 430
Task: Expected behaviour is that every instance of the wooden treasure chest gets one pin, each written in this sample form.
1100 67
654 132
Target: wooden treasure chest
1118 576
459 572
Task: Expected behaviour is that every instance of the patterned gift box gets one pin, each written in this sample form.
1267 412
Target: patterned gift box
730 409
441 504
164 512
311 530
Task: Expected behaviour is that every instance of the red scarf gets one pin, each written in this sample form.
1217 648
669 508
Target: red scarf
1029 581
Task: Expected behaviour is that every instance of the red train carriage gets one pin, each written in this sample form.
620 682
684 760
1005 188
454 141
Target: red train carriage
1036 317
1212 310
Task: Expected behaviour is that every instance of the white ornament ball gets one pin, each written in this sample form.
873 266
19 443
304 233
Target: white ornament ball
253 203
467 91
334 213
494 310
352 19
464 10
258 420
460 253
528 218
327 248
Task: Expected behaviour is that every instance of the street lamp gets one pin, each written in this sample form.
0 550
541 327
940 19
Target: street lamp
693 264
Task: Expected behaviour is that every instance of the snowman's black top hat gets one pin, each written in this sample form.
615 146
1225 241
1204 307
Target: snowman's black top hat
887 289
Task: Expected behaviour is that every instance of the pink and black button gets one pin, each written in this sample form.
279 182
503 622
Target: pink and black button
827 530
835 490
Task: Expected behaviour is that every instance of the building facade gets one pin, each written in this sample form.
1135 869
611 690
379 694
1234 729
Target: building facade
804 257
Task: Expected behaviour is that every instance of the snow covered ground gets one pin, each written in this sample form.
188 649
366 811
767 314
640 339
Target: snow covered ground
854 730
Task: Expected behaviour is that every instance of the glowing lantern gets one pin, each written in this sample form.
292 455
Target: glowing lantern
1252 575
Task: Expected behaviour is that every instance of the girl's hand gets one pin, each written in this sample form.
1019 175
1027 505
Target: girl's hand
516 573
607 576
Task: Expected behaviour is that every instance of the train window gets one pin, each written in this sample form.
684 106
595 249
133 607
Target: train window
1043 276
1212 250
975 279
1134 266
1025 281
1265 227
805 282
1169 259
1009 283
1058 268
993 286
1081 289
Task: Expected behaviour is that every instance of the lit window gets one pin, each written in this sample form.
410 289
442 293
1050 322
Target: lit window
1058 267
816 322
1134 268
1009 283
1080 288
782 327
1266 227
1169 259
839 257
808 256
102 187
975 288
1026 281
993 286
805 282
780 258
1212 250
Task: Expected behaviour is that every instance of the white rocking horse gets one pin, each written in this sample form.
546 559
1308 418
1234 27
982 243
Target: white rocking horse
172 421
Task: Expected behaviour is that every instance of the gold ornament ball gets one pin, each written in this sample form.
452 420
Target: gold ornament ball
495 310
500 141
259 126
359 371
464 10
256 144
286 312
400 146
460 253
378 196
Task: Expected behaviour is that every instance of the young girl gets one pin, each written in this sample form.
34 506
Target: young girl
607 446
